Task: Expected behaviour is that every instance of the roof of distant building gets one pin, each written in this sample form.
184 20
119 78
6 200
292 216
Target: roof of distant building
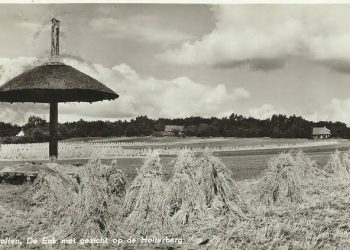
170 128
321 131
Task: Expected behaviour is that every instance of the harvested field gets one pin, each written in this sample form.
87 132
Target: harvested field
289 200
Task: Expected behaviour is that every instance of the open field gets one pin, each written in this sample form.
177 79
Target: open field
169 141
244 165
319 219
246 158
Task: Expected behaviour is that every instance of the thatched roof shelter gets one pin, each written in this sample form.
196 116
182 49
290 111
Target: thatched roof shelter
54 82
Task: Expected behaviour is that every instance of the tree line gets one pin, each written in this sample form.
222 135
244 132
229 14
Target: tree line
278 126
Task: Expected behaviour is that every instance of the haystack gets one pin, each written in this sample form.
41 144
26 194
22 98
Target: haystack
221 194
145 206
335 166
280 182
186 198
100 188
82 206
54 189
346 160
116 181
52 192
307 168
116 190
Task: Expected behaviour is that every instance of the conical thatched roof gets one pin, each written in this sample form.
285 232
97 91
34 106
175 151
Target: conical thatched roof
54 82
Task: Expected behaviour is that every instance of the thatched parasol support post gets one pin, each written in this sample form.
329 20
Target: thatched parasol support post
53 145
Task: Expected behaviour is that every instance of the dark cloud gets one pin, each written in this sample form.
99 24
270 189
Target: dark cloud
263 64
338 65
269 64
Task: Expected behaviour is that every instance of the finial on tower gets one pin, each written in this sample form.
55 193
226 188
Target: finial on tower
55 37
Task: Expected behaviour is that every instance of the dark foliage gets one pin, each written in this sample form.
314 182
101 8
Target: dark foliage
8 129
278 126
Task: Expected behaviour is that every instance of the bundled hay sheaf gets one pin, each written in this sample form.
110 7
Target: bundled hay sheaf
221 194
145 205
346 160
77 206
54 189
281 181
52 192
307 167
116 181
100 187
338 164
91 206
116 190
186 198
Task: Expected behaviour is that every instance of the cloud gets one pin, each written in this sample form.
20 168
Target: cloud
265 36
263 112
32 27
146 95
29 25
140 28
139 95
256 63
335 110
18 112
338 65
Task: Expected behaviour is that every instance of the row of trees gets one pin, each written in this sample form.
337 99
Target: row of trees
278 126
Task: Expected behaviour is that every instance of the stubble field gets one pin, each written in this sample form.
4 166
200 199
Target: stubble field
258 207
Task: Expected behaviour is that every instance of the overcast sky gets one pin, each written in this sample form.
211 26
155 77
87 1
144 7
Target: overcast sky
182 60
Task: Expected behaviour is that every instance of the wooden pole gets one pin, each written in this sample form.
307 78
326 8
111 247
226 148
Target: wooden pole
53 145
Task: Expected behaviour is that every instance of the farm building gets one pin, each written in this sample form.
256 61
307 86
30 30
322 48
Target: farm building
321 133
174 128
